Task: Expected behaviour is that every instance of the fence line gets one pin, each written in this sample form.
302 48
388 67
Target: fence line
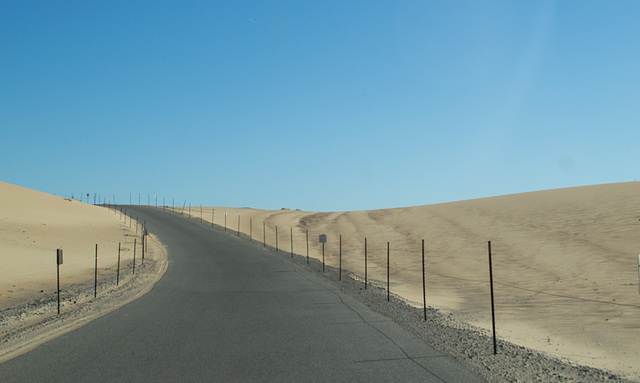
123 215
303 235
405 249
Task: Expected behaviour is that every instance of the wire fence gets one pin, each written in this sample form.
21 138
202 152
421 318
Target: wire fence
404 260
96 268
457 278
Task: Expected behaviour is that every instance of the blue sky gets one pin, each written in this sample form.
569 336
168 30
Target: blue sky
327 105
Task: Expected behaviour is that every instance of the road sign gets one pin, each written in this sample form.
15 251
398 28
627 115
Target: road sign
323 238
59 257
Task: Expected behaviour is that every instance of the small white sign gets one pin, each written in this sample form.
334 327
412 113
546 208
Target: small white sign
322 238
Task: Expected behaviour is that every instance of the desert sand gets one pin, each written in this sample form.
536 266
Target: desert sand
34 224
564 261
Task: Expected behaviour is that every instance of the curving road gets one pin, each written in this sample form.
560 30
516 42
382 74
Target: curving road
226 311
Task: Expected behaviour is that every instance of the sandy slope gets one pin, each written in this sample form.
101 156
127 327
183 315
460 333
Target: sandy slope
565 262
34 224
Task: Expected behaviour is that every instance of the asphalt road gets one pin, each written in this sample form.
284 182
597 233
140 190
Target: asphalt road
226 311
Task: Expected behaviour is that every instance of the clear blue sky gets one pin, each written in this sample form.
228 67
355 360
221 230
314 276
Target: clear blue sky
325 105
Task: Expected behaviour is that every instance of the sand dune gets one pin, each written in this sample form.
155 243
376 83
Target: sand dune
565 262
34 224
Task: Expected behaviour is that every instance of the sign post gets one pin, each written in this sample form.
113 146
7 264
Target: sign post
322 239
639 273
58 263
